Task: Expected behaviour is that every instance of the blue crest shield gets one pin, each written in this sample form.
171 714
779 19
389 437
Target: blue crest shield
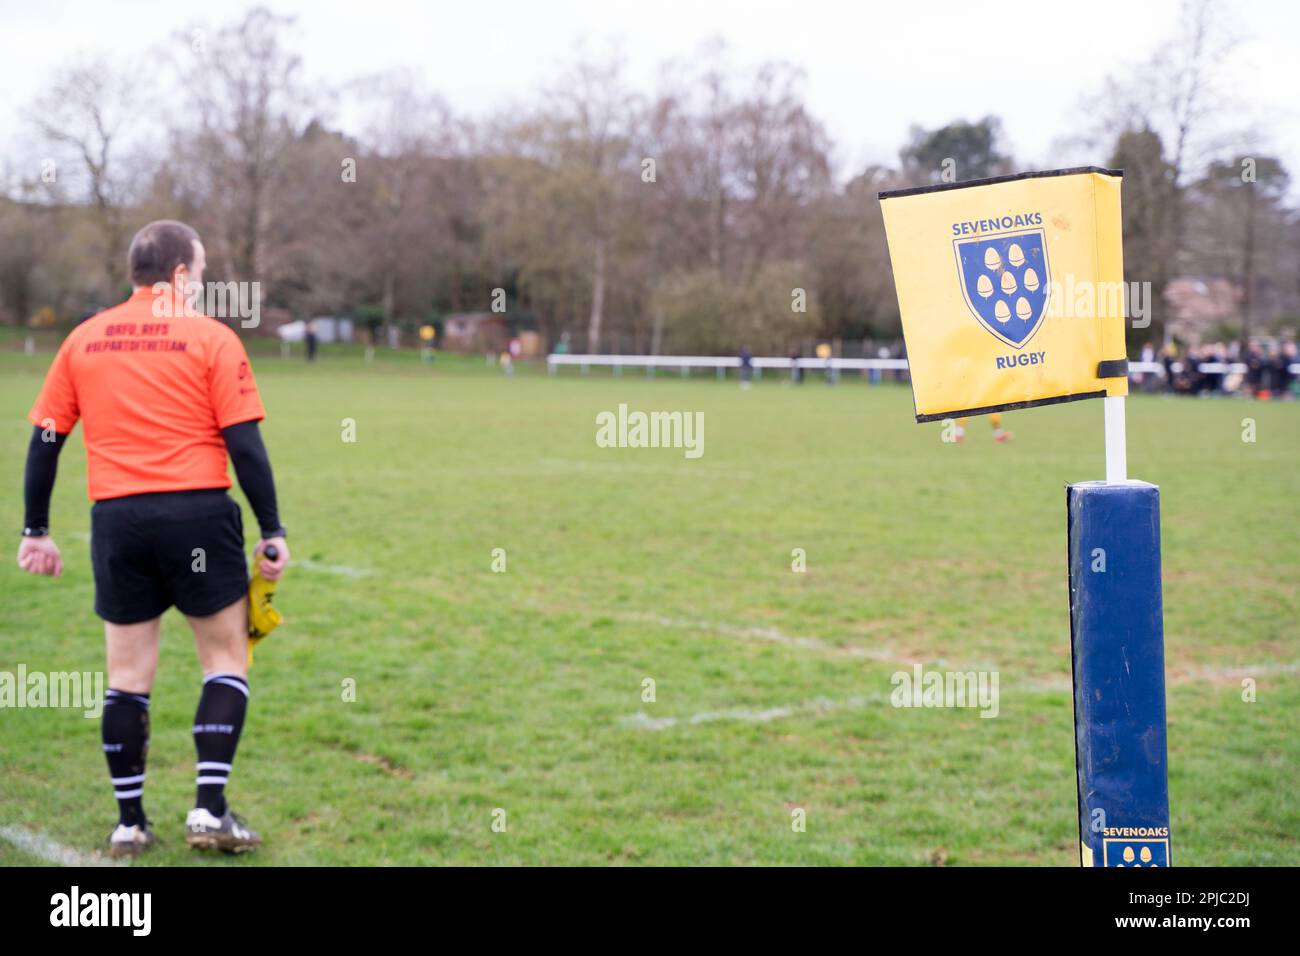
1005 281
1135 853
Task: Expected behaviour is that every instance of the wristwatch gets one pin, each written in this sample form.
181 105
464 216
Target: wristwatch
280 532
38 532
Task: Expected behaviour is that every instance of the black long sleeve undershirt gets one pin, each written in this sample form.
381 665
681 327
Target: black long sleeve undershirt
38 477
243 442
253 469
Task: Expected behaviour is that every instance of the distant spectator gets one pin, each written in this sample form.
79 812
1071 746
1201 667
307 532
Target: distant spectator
1272 375
746 366
428 336
1218 354
881 353
1254 359
1206 383
1147 381
1168 357
312 341
796 371
824 353
1287 384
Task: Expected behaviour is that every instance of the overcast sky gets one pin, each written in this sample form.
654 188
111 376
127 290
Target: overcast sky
873 69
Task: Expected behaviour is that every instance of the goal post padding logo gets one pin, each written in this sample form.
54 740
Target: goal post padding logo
1010 290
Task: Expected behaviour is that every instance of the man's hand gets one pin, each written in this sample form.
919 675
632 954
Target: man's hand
40 556
271 570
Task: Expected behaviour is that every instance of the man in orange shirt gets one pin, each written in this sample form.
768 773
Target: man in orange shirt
164 394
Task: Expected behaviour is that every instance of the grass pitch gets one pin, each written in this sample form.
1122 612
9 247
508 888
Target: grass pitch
517 697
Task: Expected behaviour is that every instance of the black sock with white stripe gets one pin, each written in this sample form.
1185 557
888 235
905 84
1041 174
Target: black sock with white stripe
217 724
125 731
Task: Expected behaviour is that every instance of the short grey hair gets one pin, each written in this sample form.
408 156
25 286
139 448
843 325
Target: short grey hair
158 249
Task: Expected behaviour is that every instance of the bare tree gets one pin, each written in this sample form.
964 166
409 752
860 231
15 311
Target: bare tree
1179 98
84 116
249 104
1239 228
407 134
588 131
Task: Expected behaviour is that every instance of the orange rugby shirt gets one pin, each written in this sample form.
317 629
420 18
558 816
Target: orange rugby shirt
152 394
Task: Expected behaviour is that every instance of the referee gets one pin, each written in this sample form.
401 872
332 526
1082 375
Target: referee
164 393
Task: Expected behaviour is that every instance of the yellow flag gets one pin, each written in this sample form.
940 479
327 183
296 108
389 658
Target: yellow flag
1011 290
262 617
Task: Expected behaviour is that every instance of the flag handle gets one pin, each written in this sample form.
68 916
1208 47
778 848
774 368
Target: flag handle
1116 441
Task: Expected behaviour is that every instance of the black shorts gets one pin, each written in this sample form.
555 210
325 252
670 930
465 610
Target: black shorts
144 549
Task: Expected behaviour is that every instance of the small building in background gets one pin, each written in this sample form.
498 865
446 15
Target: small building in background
475 332
272 319
531 344
329 328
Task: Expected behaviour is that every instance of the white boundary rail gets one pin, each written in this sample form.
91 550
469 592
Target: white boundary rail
720 363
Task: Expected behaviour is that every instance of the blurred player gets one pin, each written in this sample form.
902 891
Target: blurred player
999 433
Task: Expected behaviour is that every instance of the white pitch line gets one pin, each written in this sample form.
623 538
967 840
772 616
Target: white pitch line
551 467
1236 673
39 845
820 705
346 570
774 636
622 468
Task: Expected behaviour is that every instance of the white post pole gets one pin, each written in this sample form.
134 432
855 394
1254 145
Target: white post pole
1116 441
